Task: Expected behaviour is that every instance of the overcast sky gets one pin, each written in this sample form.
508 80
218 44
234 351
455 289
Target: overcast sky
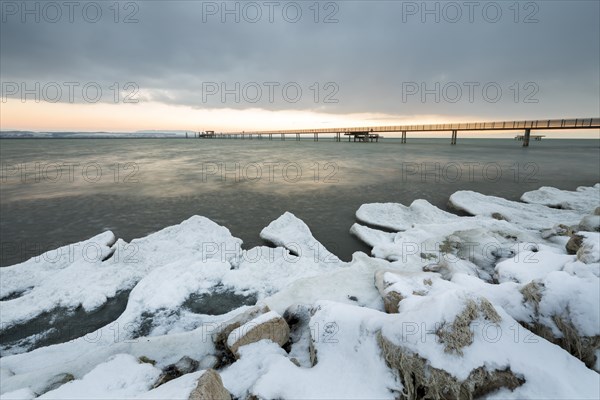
352 60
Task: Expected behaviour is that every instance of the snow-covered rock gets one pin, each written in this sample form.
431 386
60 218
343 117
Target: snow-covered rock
454 344
210 386
269 326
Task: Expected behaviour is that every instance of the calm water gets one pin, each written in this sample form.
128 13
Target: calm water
55 192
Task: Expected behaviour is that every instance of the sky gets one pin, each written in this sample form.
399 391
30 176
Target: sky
239 65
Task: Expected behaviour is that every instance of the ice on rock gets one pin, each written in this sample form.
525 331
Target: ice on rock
292 233
583 199
528 216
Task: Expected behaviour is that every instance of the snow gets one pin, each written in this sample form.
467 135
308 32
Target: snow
349 362
436 260
123 376
583 199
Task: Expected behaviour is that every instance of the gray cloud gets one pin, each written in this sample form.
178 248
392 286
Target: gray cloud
371 54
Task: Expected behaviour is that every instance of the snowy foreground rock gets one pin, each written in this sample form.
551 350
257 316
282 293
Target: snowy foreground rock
502 304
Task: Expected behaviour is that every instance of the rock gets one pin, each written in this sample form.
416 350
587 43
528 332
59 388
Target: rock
583 347
557 230
208 362
146 360
184 366
590 223
498 216
236 322
210 387
589 251
298 317
597 211
295 361
391 298
456 334
574 244
421 380
269 326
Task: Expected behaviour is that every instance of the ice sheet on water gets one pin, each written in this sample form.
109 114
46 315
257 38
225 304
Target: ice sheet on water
584 199
528 216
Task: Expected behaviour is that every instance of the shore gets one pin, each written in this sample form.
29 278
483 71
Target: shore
503 302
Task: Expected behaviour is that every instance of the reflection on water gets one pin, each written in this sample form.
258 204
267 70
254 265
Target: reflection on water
56 192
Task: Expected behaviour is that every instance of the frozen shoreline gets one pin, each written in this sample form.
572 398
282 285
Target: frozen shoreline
426 273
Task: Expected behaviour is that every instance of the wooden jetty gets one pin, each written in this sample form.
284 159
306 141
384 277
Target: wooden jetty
373 133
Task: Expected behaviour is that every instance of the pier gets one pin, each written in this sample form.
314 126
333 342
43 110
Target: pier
374 133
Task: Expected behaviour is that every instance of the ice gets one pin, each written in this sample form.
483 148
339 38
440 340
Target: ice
583 199
528 216
399 217
77 279
458 244
292 233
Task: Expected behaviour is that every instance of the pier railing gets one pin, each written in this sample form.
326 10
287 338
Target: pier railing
370 133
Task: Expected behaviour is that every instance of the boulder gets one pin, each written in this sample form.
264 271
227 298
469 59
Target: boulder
184 366
236 322
390 297
210 387
574 244
270 326
557 230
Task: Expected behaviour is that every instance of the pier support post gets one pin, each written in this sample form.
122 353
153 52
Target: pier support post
526 137
403 140
282 136
454 136
270 136
298 137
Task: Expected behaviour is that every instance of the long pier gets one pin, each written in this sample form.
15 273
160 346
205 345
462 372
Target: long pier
373 133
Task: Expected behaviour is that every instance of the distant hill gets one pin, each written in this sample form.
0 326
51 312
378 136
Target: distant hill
92 135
